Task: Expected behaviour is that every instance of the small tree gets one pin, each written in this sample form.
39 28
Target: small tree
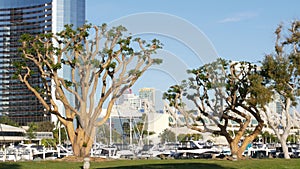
167 136
224 92
48 142
46 126
186 137
104 137
31 132
282 75
6 120
101 68
63 135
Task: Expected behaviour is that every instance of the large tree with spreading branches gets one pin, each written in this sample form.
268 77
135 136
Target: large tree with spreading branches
102 63
226 93
281 71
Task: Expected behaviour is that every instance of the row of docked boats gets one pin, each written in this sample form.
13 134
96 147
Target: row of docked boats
24 152
200 149
186 149
260 150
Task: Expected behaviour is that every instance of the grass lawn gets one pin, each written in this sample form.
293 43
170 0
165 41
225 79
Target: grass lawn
160 164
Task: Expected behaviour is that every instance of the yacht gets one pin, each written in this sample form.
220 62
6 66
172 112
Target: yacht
196 149
261 150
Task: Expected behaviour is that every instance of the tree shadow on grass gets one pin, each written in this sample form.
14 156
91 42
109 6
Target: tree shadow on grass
8 165
172 166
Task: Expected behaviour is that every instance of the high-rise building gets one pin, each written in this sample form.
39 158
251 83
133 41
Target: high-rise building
147 94
34 17
128 97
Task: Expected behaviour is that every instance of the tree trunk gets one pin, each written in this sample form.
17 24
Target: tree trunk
234 148
81 140
284 147
246 142
234 143
239 150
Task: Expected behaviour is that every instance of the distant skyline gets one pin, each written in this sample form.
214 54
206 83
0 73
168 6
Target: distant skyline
232 29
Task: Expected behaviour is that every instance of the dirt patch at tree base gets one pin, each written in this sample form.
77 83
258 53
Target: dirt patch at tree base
80 159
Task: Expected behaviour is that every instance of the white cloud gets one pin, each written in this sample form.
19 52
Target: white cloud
239 17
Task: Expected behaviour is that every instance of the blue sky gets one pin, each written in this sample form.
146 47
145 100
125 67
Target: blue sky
239 30
235 29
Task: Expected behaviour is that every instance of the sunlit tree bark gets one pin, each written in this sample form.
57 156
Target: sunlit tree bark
282 75
224 92
102 63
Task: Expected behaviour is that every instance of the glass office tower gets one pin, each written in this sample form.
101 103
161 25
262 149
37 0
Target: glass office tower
34 17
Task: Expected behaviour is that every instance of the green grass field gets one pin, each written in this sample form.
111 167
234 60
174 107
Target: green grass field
160 164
